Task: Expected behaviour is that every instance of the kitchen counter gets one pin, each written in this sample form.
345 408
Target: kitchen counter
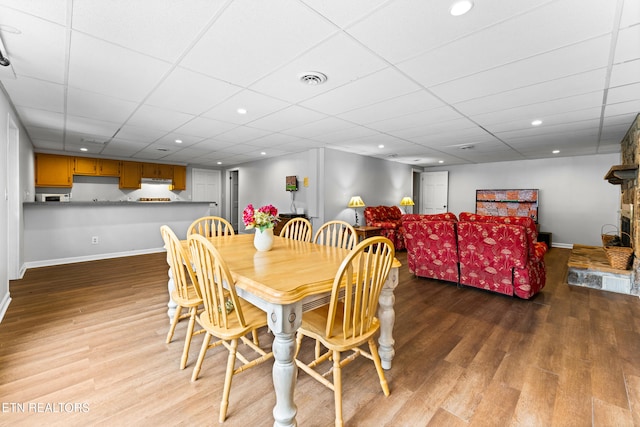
113 203
76 231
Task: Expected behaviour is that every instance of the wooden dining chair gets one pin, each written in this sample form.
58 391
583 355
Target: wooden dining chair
209 226
349 320
226 317
336 233
297 229
186 293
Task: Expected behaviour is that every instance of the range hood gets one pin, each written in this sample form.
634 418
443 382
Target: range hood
620 173
164 181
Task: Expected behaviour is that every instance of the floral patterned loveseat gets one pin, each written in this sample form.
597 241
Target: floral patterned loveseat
389 219
501 254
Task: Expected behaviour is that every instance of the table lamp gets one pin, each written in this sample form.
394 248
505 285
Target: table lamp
406 201
355 203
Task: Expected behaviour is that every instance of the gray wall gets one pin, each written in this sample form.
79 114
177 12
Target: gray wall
333 176
575 200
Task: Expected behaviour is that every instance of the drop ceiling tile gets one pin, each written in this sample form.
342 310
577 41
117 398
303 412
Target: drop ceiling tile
256 104
190 92
628 45
403 29
122 148
382 85
287 118
47 145
549 91
158 118
505 42
622 108
169 140
342 13
45 134
559 63
265 44
50 10
420 100
468 136
320 127
38 51
93 105
625 93
140 134
552 131
211 145
630 13
300 145
40 118
34 93
164 30
433 116
523 116
622 74
340 58
549 119
435 129
242 134
204 127
97 66
274 140
105 130
345 135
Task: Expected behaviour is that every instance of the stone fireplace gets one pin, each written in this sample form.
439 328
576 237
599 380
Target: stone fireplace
626 175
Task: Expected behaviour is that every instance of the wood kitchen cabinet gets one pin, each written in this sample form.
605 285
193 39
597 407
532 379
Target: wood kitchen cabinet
53 170
179 178
96 167
157 170
130 175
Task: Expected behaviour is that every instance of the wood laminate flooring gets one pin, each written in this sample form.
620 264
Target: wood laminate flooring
83 344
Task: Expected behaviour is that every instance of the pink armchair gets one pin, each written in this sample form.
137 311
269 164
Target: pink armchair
389 219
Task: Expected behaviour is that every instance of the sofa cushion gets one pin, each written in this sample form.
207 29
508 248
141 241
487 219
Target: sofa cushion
432 249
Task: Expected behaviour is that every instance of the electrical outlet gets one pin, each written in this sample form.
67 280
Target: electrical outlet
94 240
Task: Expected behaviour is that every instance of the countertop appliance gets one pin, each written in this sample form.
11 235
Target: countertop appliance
49 197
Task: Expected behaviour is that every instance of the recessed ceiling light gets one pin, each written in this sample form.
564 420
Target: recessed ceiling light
381 146
440 161
178 141
84 149
536 122
242 111
219 163
461 7
555 151
263 153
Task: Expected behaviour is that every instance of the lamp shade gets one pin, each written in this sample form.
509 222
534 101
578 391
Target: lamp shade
406 201
356 202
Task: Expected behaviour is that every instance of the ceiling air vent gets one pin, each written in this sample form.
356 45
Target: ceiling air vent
466 147
313 78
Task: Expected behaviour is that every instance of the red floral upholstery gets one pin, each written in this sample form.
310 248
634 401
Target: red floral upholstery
489 253
446 216
432 249
529 279
389 218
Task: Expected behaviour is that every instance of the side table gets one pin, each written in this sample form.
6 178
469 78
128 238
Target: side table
366 231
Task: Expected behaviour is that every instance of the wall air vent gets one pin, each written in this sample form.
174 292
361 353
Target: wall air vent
312 78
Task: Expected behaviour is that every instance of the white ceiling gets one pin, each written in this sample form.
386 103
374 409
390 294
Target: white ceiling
126 78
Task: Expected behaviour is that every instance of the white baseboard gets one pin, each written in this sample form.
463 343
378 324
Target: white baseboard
4 305
562 245
60 261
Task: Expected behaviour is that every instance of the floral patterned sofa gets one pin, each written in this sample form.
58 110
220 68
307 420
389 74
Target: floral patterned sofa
500 254
432 245
389 219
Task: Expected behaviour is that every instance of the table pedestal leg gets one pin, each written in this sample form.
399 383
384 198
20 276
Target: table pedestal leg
387 317
284 322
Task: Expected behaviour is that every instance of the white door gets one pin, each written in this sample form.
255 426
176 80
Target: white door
435 189
206 188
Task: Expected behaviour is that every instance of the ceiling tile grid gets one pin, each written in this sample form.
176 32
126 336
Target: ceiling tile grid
127 79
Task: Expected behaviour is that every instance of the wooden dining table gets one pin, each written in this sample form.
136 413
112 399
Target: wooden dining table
291 278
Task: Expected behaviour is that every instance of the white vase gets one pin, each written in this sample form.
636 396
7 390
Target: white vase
263 240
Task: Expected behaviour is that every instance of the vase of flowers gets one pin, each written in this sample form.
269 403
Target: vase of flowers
263 220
